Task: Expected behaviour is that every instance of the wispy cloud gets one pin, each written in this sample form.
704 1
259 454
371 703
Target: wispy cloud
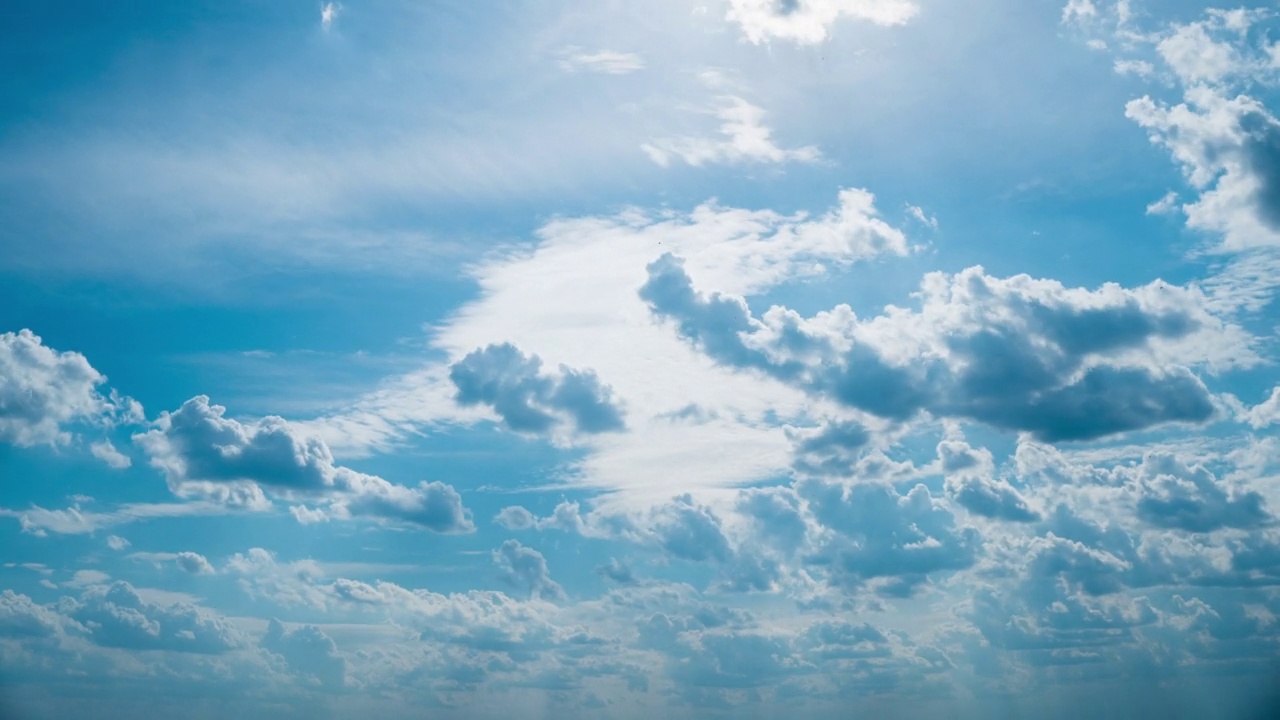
608 62
742 138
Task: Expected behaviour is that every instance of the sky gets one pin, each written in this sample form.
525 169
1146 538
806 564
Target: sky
639 358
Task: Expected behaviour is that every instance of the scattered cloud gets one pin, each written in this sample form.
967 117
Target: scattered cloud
608 62
43 391
744 138
808 22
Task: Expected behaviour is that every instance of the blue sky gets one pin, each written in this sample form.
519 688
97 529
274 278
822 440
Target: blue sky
629 359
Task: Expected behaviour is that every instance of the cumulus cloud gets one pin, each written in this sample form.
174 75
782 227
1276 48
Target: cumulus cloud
43 391
877 535
971 479
515 518
1175 495
21 617
1016 353
808 22
309 653
194 563
117 616
744 138
205 454
529 400
526 568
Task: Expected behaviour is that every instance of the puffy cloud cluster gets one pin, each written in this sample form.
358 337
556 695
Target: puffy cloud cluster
528 400
808 22
309 653
43 391
1016 353
117 616
204 454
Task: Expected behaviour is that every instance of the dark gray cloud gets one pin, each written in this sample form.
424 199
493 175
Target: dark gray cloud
527 399
1016 353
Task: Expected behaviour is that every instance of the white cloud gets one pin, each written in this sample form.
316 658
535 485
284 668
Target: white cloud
608 62
107 453
190 562
117 543
42 391
328 14
206 455
1141 68
809 22
1165 205
534 300
1266 412
744 138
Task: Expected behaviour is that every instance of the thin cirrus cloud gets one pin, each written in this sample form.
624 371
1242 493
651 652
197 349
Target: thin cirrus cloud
607 62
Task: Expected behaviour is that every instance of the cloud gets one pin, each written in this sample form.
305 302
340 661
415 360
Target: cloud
528 400
328 13
1016 353
744 138
515 518
42 391
808 22
608 62
21 617
107 453
117 543
970 479
1175 495
1266 412
117 616
1165 205
204 454
309 653
526 568
877 534
194 563
75 520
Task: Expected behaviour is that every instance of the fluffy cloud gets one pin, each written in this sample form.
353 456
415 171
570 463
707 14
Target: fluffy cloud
526 568
20 617
1177 496
1016 353
809 21
117 616
744 138
971 480
874 534
528 400
308 651
42 391
204 454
